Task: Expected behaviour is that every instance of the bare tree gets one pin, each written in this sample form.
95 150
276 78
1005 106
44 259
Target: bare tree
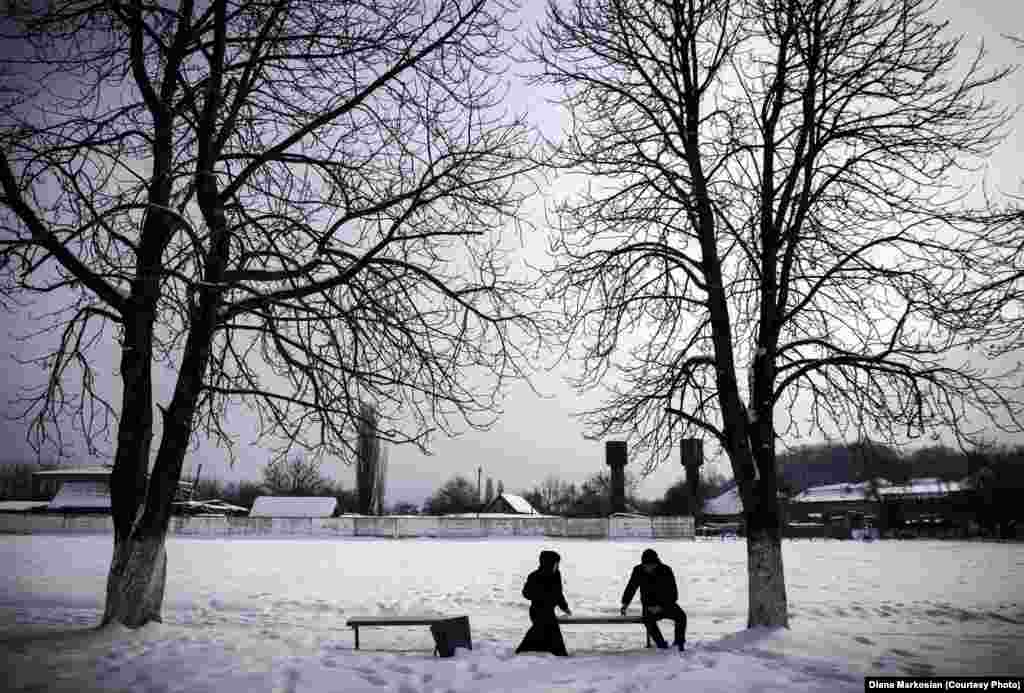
295 476
489 491
770 229
290 202
457 495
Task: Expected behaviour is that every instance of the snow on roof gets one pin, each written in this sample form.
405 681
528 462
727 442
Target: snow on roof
727 503
213 503
833 493
293 506
82 494
519 504
21 506
926 486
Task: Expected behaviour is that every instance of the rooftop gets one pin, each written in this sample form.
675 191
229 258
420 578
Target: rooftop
293 506
21 506
925 487
727 503
94 495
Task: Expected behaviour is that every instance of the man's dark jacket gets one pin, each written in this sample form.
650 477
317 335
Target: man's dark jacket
657 589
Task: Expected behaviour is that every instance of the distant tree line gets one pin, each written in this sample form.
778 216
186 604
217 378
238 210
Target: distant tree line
555 496
996 474
295 476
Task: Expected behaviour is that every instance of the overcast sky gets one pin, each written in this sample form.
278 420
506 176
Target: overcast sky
535 437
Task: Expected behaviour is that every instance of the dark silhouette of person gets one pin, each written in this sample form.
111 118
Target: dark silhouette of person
544 590
658 598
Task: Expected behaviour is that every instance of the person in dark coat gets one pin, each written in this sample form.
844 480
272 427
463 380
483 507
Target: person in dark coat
544 590
658 598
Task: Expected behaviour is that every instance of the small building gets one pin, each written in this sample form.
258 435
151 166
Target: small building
725 507
510 504
723 514
293 506
927 506
47 483
22 506
83 489
840 510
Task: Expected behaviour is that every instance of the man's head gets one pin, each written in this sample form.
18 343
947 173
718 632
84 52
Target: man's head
649 560
549 560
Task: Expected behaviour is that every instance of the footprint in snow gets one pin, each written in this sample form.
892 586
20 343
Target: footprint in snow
864 641
373 678
918 669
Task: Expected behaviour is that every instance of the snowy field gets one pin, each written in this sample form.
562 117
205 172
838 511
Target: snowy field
248 615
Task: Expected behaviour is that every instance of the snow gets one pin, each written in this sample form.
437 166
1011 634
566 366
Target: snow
519 504
293 506
924 487
728 503
94 495
247 615
835 493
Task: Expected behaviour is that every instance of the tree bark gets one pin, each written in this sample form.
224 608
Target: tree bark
135 585
766 581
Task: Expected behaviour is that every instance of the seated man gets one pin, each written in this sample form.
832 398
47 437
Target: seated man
658 597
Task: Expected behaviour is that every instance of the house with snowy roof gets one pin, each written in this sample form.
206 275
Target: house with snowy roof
83 489
928 506
510 504
920 506
725 507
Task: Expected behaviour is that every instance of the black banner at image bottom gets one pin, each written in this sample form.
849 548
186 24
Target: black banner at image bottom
943 683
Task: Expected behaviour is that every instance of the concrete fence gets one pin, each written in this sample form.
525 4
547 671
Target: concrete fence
392 527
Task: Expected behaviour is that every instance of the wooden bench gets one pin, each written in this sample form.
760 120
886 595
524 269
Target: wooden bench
461 639
603 620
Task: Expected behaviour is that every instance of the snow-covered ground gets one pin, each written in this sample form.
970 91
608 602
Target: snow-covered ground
248 615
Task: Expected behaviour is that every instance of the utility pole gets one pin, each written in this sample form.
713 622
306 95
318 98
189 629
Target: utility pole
479 475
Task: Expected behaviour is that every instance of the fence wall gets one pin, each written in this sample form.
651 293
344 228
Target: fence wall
389 526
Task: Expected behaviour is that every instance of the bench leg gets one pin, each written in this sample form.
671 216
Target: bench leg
356 629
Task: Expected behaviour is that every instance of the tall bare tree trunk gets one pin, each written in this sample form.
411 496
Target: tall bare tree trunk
135 584
766 579
369 475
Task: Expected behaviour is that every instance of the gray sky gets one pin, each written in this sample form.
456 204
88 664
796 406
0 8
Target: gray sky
535 437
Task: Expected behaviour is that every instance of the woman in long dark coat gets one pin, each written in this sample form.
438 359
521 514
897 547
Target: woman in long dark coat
544 590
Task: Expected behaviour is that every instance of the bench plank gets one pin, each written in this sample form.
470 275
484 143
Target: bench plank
599 620
384 621
395 620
